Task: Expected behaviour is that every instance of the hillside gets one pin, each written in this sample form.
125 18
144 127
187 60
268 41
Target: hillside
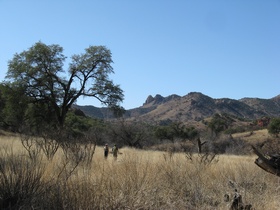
194 106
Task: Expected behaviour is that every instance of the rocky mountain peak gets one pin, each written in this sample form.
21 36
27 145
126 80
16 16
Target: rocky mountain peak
154 100
149 99
159 99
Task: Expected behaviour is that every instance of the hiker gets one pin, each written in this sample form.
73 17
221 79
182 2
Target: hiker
106 151
115 151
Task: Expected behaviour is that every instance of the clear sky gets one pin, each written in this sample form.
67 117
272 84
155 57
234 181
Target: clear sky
221 48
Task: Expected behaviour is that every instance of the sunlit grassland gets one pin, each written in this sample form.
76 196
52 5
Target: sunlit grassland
253 136
141 179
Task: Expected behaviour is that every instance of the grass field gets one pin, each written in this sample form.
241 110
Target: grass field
253 136
136 180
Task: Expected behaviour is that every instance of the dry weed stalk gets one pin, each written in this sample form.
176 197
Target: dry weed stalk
31 146
48 146
202 158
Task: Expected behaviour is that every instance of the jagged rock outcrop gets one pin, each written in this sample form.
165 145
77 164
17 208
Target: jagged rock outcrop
150 99
158 99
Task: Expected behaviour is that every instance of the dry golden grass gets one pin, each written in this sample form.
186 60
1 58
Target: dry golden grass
154 180
253 136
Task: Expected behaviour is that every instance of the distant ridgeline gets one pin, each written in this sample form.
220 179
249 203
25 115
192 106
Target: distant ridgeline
194 106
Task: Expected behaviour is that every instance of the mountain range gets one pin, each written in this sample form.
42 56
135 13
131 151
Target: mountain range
194 106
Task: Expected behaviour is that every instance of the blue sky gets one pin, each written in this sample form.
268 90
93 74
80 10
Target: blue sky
221 48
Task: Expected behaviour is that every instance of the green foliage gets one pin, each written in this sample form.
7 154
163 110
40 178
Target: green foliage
39 75
12 106
39 116
220 123
274 126
164 132
175 130
131 134
79 125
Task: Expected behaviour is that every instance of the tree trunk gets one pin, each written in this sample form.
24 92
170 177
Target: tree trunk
200 144
270 164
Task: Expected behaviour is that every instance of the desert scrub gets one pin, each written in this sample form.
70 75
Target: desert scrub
21 184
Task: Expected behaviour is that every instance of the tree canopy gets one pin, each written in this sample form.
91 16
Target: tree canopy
39 72
176 130
274 126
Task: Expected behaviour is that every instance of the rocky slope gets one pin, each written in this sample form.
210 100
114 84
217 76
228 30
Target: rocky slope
194 106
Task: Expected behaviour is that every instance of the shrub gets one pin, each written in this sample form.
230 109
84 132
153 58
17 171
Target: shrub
20 182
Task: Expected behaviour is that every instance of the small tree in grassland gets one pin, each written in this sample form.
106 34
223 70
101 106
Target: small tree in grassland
274 126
